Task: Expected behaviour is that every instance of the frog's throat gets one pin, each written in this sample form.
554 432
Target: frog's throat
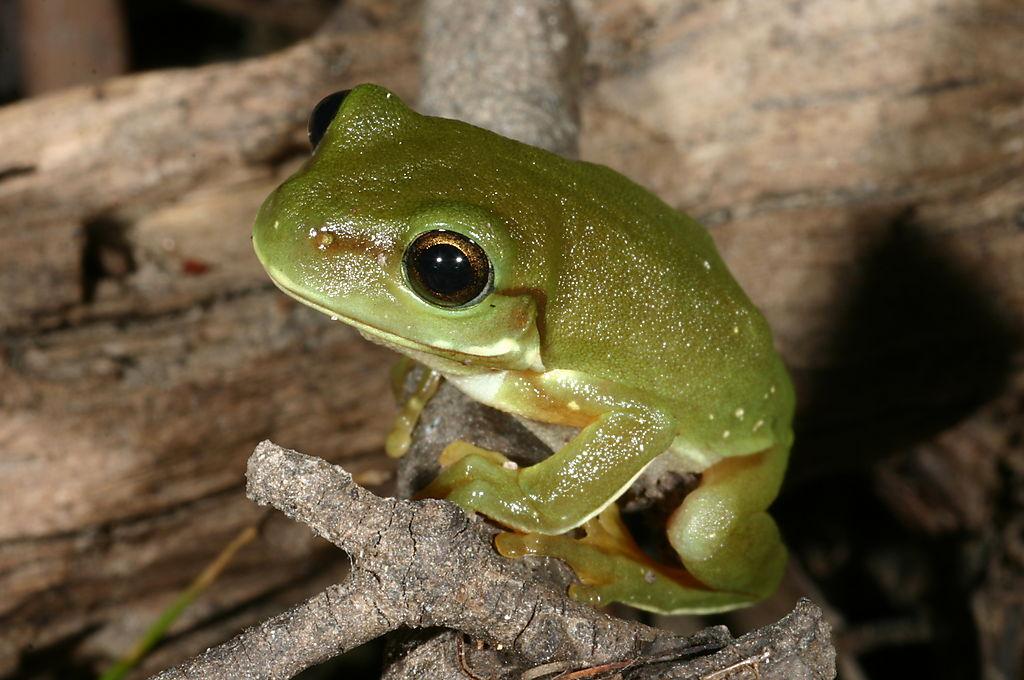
445 360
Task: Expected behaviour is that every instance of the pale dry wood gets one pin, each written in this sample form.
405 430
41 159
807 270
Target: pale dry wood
140 343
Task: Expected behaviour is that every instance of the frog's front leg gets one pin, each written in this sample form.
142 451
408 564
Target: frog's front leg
398 440
566 489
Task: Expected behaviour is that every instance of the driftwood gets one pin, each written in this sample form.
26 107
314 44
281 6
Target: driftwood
861 171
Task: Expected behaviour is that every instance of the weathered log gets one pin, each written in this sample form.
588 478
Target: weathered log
144 352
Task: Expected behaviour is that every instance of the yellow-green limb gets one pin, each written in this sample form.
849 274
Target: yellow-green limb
398 441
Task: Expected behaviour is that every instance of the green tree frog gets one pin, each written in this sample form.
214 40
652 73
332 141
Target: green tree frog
562 292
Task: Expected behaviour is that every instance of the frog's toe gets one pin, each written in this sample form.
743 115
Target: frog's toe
462 466
605 577
595 572
591 566
458 450
485 482
497 502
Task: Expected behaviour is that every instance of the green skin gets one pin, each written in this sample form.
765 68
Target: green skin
610 311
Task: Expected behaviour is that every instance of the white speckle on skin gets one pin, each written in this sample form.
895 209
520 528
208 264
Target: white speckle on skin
707 265
757 425
739 413
725 435
735 330
510 465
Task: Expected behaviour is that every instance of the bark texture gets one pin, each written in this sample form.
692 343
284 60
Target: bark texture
428 565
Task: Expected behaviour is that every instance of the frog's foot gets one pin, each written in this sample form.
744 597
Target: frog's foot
484 481
397 443
612 568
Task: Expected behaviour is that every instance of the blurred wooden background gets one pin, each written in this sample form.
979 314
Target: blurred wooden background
860 164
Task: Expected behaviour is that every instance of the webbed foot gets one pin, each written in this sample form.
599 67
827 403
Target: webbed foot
484 481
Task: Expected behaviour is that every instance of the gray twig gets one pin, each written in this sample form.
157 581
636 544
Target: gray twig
423 564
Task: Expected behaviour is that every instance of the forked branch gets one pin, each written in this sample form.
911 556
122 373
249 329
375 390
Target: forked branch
422 564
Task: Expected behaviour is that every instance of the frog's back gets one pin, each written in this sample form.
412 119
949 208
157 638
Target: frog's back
643 298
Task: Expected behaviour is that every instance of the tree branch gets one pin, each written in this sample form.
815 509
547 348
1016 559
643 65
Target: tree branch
423 564
340 618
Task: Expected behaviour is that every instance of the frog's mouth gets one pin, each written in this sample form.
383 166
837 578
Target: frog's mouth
445 360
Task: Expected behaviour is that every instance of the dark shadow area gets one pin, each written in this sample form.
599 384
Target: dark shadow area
905 597
107 253
10 65
362 663
211 35
920 346
57 661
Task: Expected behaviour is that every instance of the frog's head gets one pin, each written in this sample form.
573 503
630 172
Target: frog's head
395 226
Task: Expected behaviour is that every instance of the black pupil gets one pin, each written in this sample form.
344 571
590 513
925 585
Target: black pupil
444 269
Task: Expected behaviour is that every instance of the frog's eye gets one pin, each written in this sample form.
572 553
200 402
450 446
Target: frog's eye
448 269
323 114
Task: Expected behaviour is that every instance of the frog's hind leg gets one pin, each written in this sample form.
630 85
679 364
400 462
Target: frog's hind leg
612 568
723 532
728 544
